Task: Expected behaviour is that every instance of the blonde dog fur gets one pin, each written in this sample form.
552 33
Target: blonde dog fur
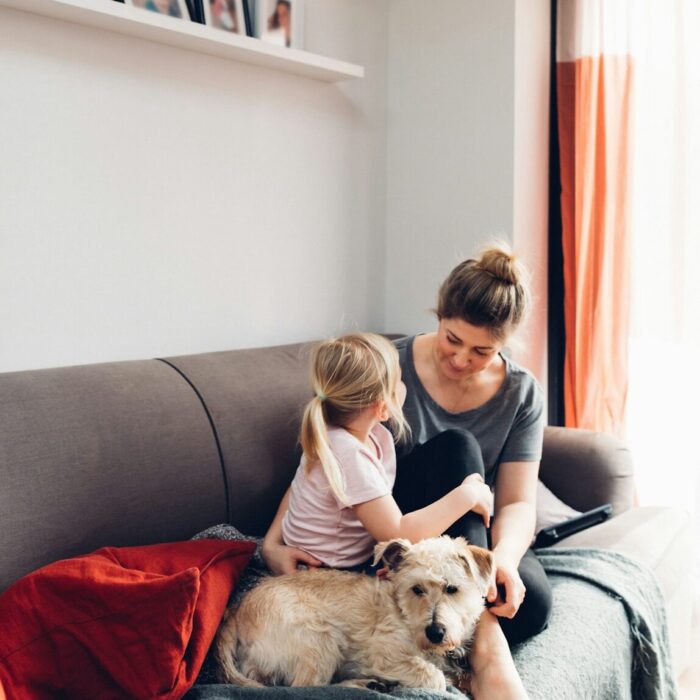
318 627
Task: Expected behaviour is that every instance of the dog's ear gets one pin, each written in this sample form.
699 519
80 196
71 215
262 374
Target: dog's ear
477 561
392 552
479 564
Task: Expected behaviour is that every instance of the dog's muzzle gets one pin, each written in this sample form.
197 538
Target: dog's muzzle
435 632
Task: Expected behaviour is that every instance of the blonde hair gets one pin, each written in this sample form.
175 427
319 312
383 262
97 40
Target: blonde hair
491 292
348 374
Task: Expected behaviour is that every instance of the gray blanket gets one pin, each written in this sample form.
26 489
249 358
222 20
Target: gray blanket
607 638
334 692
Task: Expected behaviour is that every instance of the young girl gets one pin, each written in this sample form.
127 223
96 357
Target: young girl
340 502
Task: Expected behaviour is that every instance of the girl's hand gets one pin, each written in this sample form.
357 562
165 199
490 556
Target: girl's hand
508 579
483 498
281 559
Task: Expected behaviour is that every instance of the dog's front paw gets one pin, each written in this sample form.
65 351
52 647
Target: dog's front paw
381 686
370 684
457 659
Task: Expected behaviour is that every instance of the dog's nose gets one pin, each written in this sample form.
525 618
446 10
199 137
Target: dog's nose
435 632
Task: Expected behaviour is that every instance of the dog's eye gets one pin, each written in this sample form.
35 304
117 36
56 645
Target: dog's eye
451 590
418 590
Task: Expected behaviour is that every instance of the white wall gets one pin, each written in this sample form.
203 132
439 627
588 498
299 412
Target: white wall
450 145
158 201
531 171
467 150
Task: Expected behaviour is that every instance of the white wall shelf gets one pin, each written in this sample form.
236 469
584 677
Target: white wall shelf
133 21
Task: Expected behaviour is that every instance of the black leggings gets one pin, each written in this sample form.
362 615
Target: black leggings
433 469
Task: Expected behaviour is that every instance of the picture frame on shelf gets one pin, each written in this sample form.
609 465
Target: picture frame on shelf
248 16
170 8
228 15
280 22
194 7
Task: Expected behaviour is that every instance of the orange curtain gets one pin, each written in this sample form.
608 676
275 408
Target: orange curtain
594 86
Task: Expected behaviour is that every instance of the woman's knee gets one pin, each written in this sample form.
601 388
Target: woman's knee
536 609
436 467
461 450
531 618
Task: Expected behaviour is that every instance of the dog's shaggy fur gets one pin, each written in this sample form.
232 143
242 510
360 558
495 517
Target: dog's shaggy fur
318 627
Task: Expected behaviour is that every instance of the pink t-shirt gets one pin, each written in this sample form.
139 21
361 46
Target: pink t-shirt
317 522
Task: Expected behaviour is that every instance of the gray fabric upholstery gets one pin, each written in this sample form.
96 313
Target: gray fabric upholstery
586 469
255 398
124 453
111 454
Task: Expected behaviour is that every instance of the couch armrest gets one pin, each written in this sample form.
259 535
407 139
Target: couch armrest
586 469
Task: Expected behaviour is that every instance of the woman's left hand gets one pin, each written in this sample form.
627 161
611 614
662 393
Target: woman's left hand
507 579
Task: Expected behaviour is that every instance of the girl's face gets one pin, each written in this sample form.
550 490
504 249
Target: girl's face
398 396
400 390
463 350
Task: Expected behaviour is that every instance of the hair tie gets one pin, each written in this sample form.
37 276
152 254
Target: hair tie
321 396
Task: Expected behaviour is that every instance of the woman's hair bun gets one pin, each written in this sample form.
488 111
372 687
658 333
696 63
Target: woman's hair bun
491 292
500 262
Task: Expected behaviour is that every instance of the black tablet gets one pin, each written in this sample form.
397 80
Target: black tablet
554 533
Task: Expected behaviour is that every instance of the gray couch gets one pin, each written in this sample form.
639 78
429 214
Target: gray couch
150 451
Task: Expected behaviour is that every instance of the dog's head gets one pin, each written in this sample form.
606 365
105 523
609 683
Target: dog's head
439 585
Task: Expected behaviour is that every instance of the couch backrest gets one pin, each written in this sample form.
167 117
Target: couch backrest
151 451
255 399
141 452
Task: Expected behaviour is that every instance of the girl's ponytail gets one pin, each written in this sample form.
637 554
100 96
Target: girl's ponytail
316 446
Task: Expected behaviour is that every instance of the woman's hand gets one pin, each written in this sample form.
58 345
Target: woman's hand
281 559
483 498
508 579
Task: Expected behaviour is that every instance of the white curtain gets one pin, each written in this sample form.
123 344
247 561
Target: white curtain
663 409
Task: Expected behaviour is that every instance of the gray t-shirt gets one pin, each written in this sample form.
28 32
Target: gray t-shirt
509 426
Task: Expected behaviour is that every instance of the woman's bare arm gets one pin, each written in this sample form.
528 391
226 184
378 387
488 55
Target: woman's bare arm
512 531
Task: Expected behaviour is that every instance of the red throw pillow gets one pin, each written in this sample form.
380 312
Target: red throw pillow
130 622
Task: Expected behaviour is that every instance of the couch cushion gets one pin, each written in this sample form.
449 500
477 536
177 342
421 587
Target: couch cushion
550 509
132 622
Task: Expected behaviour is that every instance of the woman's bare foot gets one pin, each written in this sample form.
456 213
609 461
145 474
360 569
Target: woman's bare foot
494 675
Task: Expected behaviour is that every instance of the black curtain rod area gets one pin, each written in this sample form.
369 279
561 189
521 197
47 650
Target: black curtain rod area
556 337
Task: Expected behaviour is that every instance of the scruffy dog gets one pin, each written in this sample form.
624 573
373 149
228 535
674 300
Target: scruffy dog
318 627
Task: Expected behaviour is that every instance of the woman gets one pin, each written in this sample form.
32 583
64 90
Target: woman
280 22
471 409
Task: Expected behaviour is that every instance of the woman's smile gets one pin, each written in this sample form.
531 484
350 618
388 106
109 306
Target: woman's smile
462 350
458 368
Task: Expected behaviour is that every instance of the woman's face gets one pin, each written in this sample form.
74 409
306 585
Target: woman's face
462 350
283 15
